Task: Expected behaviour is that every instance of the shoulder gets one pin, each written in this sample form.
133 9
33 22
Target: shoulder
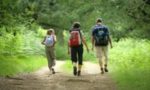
94 28
53 35
81 31
70 30
105 27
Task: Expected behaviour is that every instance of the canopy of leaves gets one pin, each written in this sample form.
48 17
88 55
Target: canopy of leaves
19 18
123 17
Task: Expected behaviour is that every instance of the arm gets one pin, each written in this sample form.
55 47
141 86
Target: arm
110 42
92 39
109 39
84 42
55 40
68 48
43 41
93 42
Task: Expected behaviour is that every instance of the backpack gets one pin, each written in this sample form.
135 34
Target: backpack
49 41
75 38
101 36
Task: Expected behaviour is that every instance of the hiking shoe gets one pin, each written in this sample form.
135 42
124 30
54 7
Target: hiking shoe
102 71
106 70
75 71
53 71
79 73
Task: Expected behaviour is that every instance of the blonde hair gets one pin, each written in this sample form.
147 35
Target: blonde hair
49 31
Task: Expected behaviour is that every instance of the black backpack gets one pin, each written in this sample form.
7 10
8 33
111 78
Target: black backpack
101 36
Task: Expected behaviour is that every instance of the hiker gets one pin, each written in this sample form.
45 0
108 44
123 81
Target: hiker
75 48
101 39
49 42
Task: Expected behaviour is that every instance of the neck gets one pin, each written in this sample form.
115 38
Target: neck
99 23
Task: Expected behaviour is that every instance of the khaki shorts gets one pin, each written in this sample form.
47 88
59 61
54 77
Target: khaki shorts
102 51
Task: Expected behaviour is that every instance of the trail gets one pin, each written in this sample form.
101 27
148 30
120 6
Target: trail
91 79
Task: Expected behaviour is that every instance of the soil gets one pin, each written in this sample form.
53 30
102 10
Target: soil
90 79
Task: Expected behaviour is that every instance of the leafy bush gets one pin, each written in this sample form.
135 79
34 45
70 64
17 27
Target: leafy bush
130 64
12 65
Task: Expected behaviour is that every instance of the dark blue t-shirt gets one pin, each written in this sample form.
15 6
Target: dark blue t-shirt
100 34
97 27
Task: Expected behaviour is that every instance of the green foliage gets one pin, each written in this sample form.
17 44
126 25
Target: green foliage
129 62
12 65
20 40
67 66
61 52
124 18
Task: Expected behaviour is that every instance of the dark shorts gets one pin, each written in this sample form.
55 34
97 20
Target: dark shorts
77 54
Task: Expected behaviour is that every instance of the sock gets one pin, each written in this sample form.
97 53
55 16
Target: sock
74 64
79 67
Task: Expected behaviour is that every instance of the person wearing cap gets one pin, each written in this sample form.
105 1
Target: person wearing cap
100 40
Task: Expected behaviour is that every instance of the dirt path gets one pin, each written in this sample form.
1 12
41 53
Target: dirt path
91 79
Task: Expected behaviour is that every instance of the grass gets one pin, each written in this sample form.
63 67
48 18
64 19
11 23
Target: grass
67 67
12 65
133 80
130 64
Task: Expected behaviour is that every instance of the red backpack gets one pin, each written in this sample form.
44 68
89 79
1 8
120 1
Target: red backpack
75 38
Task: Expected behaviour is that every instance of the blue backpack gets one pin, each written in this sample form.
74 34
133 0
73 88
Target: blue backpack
49 41
101 36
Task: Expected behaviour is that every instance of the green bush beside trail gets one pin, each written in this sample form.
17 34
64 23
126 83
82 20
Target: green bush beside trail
130 64
12 65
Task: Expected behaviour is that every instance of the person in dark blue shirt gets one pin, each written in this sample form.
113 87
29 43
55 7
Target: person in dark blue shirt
101 39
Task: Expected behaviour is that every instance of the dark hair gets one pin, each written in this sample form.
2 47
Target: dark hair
99 20
76 25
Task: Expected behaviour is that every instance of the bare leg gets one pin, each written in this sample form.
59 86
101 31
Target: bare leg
106 58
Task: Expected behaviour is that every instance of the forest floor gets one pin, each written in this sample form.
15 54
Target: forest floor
90 79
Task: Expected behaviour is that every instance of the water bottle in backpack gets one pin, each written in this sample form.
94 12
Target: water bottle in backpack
49 40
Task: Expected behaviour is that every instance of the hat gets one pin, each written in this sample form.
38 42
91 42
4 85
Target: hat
99 20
